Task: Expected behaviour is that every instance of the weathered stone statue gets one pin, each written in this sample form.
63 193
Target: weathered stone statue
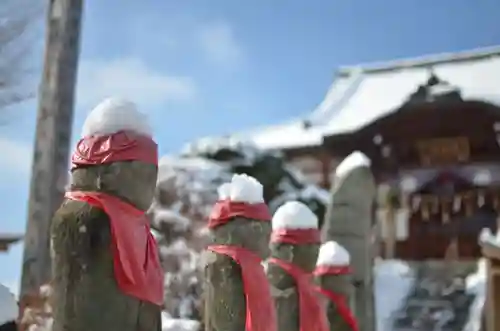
294 246
106 270
333 275
350 222
237 295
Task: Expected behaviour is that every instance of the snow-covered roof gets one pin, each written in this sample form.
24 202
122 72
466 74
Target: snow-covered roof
363 93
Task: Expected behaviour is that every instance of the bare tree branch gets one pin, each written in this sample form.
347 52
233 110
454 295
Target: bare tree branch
18 25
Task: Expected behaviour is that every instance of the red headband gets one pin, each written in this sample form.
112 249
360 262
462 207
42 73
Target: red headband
119 146
323 270
296 236
224 210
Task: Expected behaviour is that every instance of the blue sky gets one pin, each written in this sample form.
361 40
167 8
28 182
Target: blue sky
204 67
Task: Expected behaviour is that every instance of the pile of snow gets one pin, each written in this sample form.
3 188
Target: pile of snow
294 215
352 161
174 324
242 188
113 115
393 282
8 306
476 284
333 254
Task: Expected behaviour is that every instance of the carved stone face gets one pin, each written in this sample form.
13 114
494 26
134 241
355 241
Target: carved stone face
133 181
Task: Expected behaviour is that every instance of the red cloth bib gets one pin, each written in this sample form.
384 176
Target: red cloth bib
312 316
225 210
342 307
295 236
260 311
136 261
119 146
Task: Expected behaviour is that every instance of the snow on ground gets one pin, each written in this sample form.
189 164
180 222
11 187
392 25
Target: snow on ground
476 284
175 324
393 281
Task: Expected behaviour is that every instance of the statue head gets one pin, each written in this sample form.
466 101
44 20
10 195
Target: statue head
116 154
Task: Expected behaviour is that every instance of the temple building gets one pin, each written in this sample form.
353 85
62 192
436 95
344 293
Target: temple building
431 127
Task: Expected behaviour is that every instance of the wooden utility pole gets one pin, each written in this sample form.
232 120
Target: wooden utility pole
52 140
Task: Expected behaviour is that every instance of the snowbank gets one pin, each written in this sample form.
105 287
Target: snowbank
174 324
476 284
393 281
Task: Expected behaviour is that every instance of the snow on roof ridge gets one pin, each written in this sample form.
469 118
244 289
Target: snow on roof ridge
332 253
9 309
424 60
115 114
294 215
242 188
354 160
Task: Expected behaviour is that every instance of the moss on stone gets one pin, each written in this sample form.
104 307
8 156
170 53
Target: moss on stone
85 293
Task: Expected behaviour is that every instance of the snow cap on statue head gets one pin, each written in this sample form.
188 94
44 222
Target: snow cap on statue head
242 197
333 259
242 188
294 223
115 130
9 309
113 115
333 254
294 215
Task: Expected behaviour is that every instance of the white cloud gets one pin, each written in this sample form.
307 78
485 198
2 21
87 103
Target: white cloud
18 155
133 79
219 43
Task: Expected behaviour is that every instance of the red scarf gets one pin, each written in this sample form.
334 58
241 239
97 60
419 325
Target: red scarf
295 236
260 311
338 300
119 146
312 316
342 307
224 210
135 252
